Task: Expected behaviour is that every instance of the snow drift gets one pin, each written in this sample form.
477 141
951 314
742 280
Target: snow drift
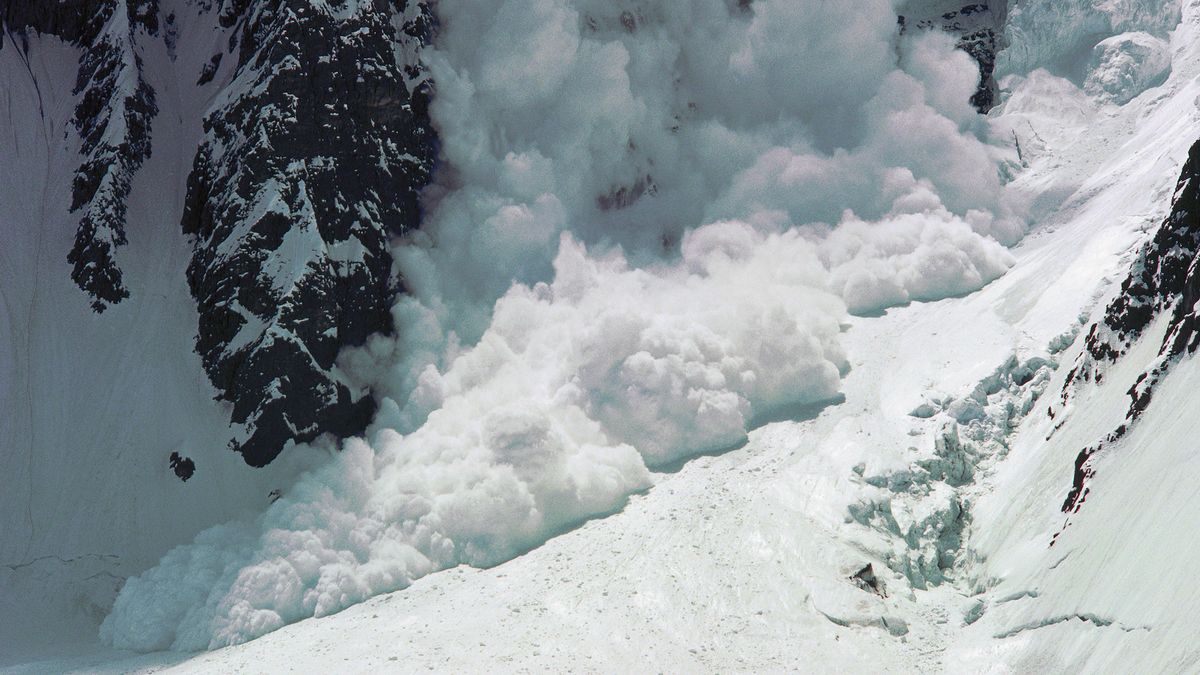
648 227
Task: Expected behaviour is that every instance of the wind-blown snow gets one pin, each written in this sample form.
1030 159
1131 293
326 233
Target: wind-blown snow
689 198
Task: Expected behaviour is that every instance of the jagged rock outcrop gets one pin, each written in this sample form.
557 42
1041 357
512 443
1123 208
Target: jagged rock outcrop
1164 279
112 119
978 27
311 163
314 150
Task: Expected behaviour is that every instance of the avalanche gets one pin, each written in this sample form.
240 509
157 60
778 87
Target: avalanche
773 332
616 359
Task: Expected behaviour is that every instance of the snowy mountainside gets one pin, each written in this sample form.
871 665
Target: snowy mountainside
549 401
1080 539
94 404
113 446
903 512
745 561
274 309
1061 37
1161 282
112 118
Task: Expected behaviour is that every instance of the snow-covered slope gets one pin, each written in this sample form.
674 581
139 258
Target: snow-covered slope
93 405
743 561
914 523
1097 581
545 402
112 448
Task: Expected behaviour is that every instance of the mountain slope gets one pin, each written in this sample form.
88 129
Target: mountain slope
1082 539
915 524
115 443
744 561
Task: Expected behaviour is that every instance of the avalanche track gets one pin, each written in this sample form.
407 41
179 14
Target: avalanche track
743 561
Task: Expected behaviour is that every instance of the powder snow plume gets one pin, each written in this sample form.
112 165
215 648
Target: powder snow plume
650 223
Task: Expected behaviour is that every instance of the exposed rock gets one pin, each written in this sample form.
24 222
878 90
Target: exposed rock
865 579
112 119
978 27
308 169
1160 279
312 159
183 467
1163 280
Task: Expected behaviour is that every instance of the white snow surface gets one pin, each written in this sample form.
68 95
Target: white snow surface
741 560
1060 36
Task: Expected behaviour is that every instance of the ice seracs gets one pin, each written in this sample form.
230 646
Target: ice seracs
1125 65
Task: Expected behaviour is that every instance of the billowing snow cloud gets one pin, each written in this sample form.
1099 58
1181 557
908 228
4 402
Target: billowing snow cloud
651 222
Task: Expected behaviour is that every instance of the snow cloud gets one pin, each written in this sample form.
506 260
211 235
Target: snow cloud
651 223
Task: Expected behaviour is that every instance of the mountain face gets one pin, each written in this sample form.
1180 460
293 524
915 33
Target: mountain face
311 158
311 162
112 119
1163 282
196 201
262 155
313 152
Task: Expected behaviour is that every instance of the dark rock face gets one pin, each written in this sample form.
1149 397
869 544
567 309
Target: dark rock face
311 161
978 27
1164 278
112 119
183 467
306 172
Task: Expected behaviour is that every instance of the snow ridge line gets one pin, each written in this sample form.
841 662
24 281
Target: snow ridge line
1098 621
65 561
